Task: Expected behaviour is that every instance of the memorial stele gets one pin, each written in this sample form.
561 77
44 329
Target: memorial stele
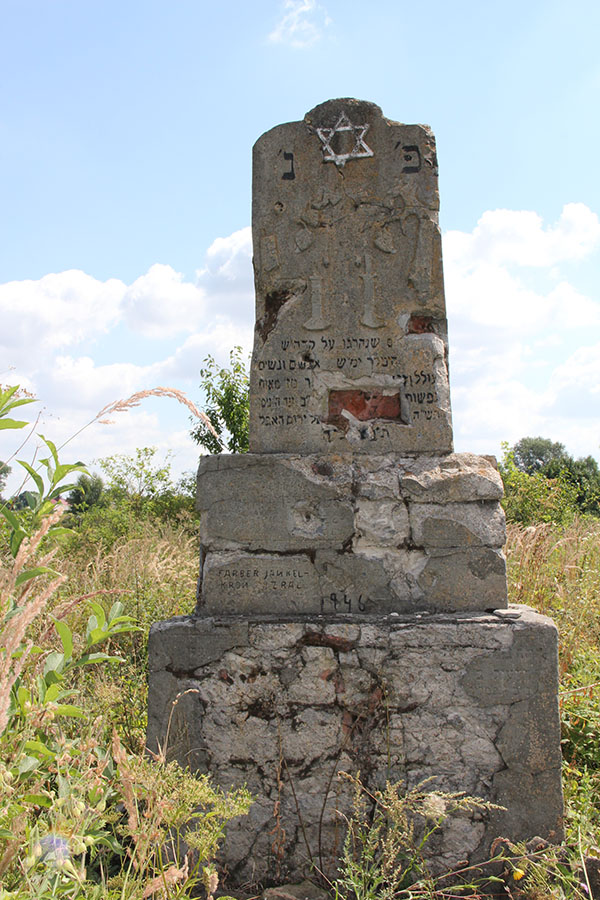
352 606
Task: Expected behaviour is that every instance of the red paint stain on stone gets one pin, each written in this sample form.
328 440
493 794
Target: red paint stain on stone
420 325
363 405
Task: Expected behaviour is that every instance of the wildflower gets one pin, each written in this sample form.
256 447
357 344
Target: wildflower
518 874
53 848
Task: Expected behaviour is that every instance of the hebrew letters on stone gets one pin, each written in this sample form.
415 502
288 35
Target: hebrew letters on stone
350 348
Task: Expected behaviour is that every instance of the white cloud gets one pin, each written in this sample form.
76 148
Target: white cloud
513 319
68 338
302 25
217 341
227 278
58 311
505 237
161 304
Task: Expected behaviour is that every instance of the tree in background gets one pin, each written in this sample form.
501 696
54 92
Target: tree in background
137 488
88 492
5 471
227 405
544 483
533 454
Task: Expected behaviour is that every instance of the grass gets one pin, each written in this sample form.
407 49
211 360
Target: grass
555 569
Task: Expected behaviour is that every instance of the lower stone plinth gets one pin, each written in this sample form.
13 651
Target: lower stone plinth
282 705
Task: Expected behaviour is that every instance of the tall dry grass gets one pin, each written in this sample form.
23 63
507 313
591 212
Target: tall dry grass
156 570
154 575
556 569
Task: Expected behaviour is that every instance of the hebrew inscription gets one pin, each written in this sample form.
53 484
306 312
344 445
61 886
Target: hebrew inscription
349 260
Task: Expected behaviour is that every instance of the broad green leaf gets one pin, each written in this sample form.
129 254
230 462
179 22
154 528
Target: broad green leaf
67 709
64 785
28 574
16 539
99 613
10 517
39 747
90 658
39 481
60 530
123 629
23 696
115 610
96 636
65 469
7 394
38 800
111 842
53 692
6 404
6 835
51 447
66 637
27 764
55 662
61 489
20 401
33 499
12 423
92 624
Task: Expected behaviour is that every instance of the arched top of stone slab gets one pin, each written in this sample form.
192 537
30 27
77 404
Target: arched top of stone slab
350 347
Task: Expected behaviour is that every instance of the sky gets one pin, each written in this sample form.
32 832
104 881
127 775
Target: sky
126 131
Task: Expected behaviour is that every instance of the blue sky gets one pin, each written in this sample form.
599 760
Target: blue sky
125 175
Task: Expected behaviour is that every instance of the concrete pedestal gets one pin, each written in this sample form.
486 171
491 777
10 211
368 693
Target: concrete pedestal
467 700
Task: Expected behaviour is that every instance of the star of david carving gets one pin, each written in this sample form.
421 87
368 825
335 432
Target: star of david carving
360 149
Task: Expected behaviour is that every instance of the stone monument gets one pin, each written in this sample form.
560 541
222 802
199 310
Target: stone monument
352 610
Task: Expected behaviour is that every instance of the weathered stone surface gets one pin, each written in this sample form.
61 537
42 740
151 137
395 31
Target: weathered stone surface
468 700
458 524
457 478
276 503
452 579
287 534
370 580
304 891
351 336
284 502
236 583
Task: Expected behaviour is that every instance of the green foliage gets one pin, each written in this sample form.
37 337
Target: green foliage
88 492
580 711
387 833
80 817
9 400
584 475
529 499
137 477
227 405
533 454
5 471
540 457
138 489
49 484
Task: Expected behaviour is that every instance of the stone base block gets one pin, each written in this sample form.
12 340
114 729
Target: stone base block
350 533
468 701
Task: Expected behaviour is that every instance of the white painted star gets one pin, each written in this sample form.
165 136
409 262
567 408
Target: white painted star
360 148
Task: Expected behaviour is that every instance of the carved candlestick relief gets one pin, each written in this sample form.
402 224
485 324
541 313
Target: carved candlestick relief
347 249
